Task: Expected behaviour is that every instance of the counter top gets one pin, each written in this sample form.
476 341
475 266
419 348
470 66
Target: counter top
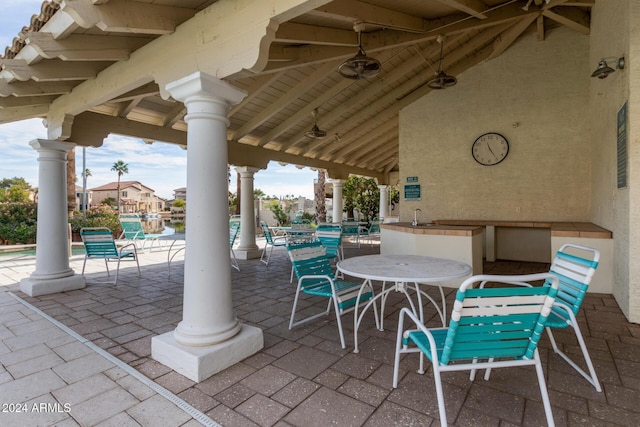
434 229
558 229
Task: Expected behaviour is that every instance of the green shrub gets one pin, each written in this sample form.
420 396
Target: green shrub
18 222
97 216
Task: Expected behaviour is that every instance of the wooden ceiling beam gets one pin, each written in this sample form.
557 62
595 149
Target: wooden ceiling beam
176 114
374 156
82 47
473 7
575 19
510 35
53 70
293 33
283 101
348 145
31 88
304 113
352 11
123 16
540 28
148 89
457 24
259 85
24 101
126 107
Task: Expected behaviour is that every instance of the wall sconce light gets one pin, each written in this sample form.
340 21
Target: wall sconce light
604 69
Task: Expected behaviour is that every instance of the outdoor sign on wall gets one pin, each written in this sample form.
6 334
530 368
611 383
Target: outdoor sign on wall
412 192
622 146
412 179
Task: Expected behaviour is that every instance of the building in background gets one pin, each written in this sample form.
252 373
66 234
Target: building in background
135 197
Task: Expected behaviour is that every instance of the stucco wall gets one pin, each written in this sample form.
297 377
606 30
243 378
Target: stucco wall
536 95
616 32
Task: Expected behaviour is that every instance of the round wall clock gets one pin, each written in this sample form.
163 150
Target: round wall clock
490 149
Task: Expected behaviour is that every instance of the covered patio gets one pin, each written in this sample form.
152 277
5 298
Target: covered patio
302 376
237 83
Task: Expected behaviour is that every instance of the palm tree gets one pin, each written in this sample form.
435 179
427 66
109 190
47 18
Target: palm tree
121 168
86 174
321 209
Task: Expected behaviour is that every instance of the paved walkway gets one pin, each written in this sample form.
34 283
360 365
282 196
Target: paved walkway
80 373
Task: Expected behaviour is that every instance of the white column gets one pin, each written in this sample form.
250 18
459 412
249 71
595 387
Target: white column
209 338
384 201
247 248
52 273
337 199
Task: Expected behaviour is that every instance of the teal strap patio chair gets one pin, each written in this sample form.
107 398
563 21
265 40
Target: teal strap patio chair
316 278
495 327
271 241
330 235
132 231
99 244
574 265
373 232
234 228
352 230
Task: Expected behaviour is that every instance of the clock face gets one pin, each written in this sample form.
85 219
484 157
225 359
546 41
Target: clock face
490 149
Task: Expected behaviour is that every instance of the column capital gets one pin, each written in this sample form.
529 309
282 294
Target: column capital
337 181
382 186
202 84
51 145
246 169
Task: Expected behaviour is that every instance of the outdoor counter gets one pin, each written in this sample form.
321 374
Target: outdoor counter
538 241
461 243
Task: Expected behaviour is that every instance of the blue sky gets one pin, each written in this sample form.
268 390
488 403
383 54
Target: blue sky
160 166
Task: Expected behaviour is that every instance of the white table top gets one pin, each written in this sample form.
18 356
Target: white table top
404 268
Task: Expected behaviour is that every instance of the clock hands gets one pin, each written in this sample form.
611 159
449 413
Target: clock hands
491 151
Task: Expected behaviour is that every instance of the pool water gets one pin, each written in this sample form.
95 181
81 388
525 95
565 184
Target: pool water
31 252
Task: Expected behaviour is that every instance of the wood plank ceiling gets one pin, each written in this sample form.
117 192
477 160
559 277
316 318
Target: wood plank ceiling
359 116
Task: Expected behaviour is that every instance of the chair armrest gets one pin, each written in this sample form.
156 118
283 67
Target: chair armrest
133 245
421 327
315 276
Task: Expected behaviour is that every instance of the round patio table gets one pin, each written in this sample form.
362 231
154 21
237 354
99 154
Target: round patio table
404 271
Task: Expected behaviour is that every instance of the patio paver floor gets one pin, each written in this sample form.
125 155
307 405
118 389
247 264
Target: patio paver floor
301 377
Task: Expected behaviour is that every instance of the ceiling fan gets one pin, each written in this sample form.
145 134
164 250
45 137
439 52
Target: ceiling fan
315 132
360 66
442 80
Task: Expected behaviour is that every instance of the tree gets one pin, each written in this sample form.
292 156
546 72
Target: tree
320 196
14 190
121 168
86 174
6 183
362 194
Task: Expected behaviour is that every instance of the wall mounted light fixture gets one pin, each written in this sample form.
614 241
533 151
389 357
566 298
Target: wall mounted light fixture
604 69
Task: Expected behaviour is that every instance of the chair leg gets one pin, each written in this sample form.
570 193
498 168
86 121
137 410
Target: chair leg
234 260
440 394
264 251
335 303
543 390
591 377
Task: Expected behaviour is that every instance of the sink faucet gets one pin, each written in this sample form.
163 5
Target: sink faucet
415 217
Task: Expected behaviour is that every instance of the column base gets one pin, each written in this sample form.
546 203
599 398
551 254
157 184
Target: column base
248 253
199 363
36 287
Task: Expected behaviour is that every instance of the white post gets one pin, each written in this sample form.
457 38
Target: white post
209 338
248 249
382 213
337 199
52 273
